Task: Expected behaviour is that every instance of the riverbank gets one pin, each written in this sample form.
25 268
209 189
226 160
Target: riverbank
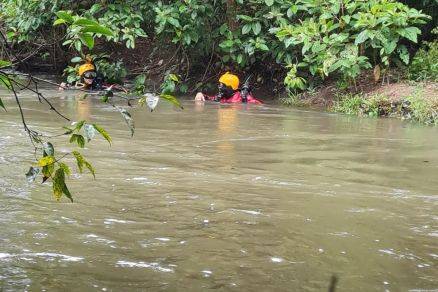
407 100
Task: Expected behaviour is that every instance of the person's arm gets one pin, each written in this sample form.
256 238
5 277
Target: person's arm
64 86
199 97
203 97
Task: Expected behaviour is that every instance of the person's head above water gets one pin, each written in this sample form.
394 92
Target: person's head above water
87 72
228 84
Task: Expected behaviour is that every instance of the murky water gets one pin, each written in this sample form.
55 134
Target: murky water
232 198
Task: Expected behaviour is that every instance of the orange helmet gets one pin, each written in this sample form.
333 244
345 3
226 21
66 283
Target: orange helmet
86 67
230 80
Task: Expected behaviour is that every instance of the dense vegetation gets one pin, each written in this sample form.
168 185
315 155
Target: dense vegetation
300 42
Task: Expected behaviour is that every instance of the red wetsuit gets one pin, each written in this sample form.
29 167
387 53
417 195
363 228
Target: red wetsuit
236 98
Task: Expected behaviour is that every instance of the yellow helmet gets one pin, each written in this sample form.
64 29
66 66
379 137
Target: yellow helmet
86 67
230 80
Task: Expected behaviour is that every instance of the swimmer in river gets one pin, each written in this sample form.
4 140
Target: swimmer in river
229 91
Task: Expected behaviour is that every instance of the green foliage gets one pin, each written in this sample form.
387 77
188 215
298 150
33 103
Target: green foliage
81 31
424 65
112 72
340 37
312 39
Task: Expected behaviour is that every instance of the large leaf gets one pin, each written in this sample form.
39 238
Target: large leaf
256 28
85 22
411 33
65 15
87 39
362 37
59 21
172 99
246 28
102 132
59 186
98 29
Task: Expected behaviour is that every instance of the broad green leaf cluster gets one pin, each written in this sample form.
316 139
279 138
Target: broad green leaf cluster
301 39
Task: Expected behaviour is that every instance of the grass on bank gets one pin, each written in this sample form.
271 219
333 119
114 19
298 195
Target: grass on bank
415 107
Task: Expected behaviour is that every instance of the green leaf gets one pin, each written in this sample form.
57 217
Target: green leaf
404 54
78 45
65 15
411 33
47 171
246 28
4 63
306 47
256 28
59 186
85 22
80 140
59 21
87 40
47 160
263 47
79 125
362 37
2 105
4 81
76 60
32 173
172 99
80 160
269 2
390 46
173 21
103 133
65 168
98 29
90 168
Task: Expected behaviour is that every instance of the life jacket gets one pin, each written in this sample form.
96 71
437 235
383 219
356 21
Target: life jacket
236 98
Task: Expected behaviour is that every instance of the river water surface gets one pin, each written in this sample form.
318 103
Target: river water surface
222 197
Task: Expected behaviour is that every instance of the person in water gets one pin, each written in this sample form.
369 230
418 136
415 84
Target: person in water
229 91
91 80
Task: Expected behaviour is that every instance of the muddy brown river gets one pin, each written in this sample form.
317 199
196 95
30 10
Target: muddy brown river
222 197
